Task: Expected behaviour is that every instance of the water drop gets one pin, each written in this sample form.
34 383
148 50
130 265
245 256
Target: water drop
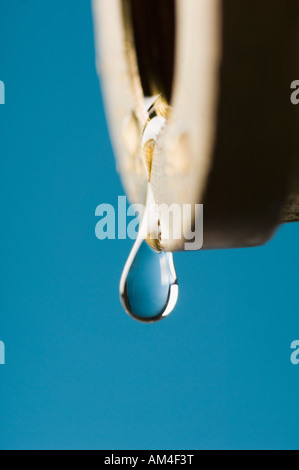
149 289
148 286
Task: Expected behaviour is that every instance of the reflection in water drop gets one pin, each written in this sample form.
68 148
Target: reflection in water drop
148 287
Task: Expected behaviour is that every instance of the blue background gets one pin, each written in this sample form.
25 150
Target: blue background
80 373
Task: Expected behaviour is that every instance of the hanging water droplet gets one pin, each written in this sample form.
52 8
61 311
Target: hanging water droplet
148 288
